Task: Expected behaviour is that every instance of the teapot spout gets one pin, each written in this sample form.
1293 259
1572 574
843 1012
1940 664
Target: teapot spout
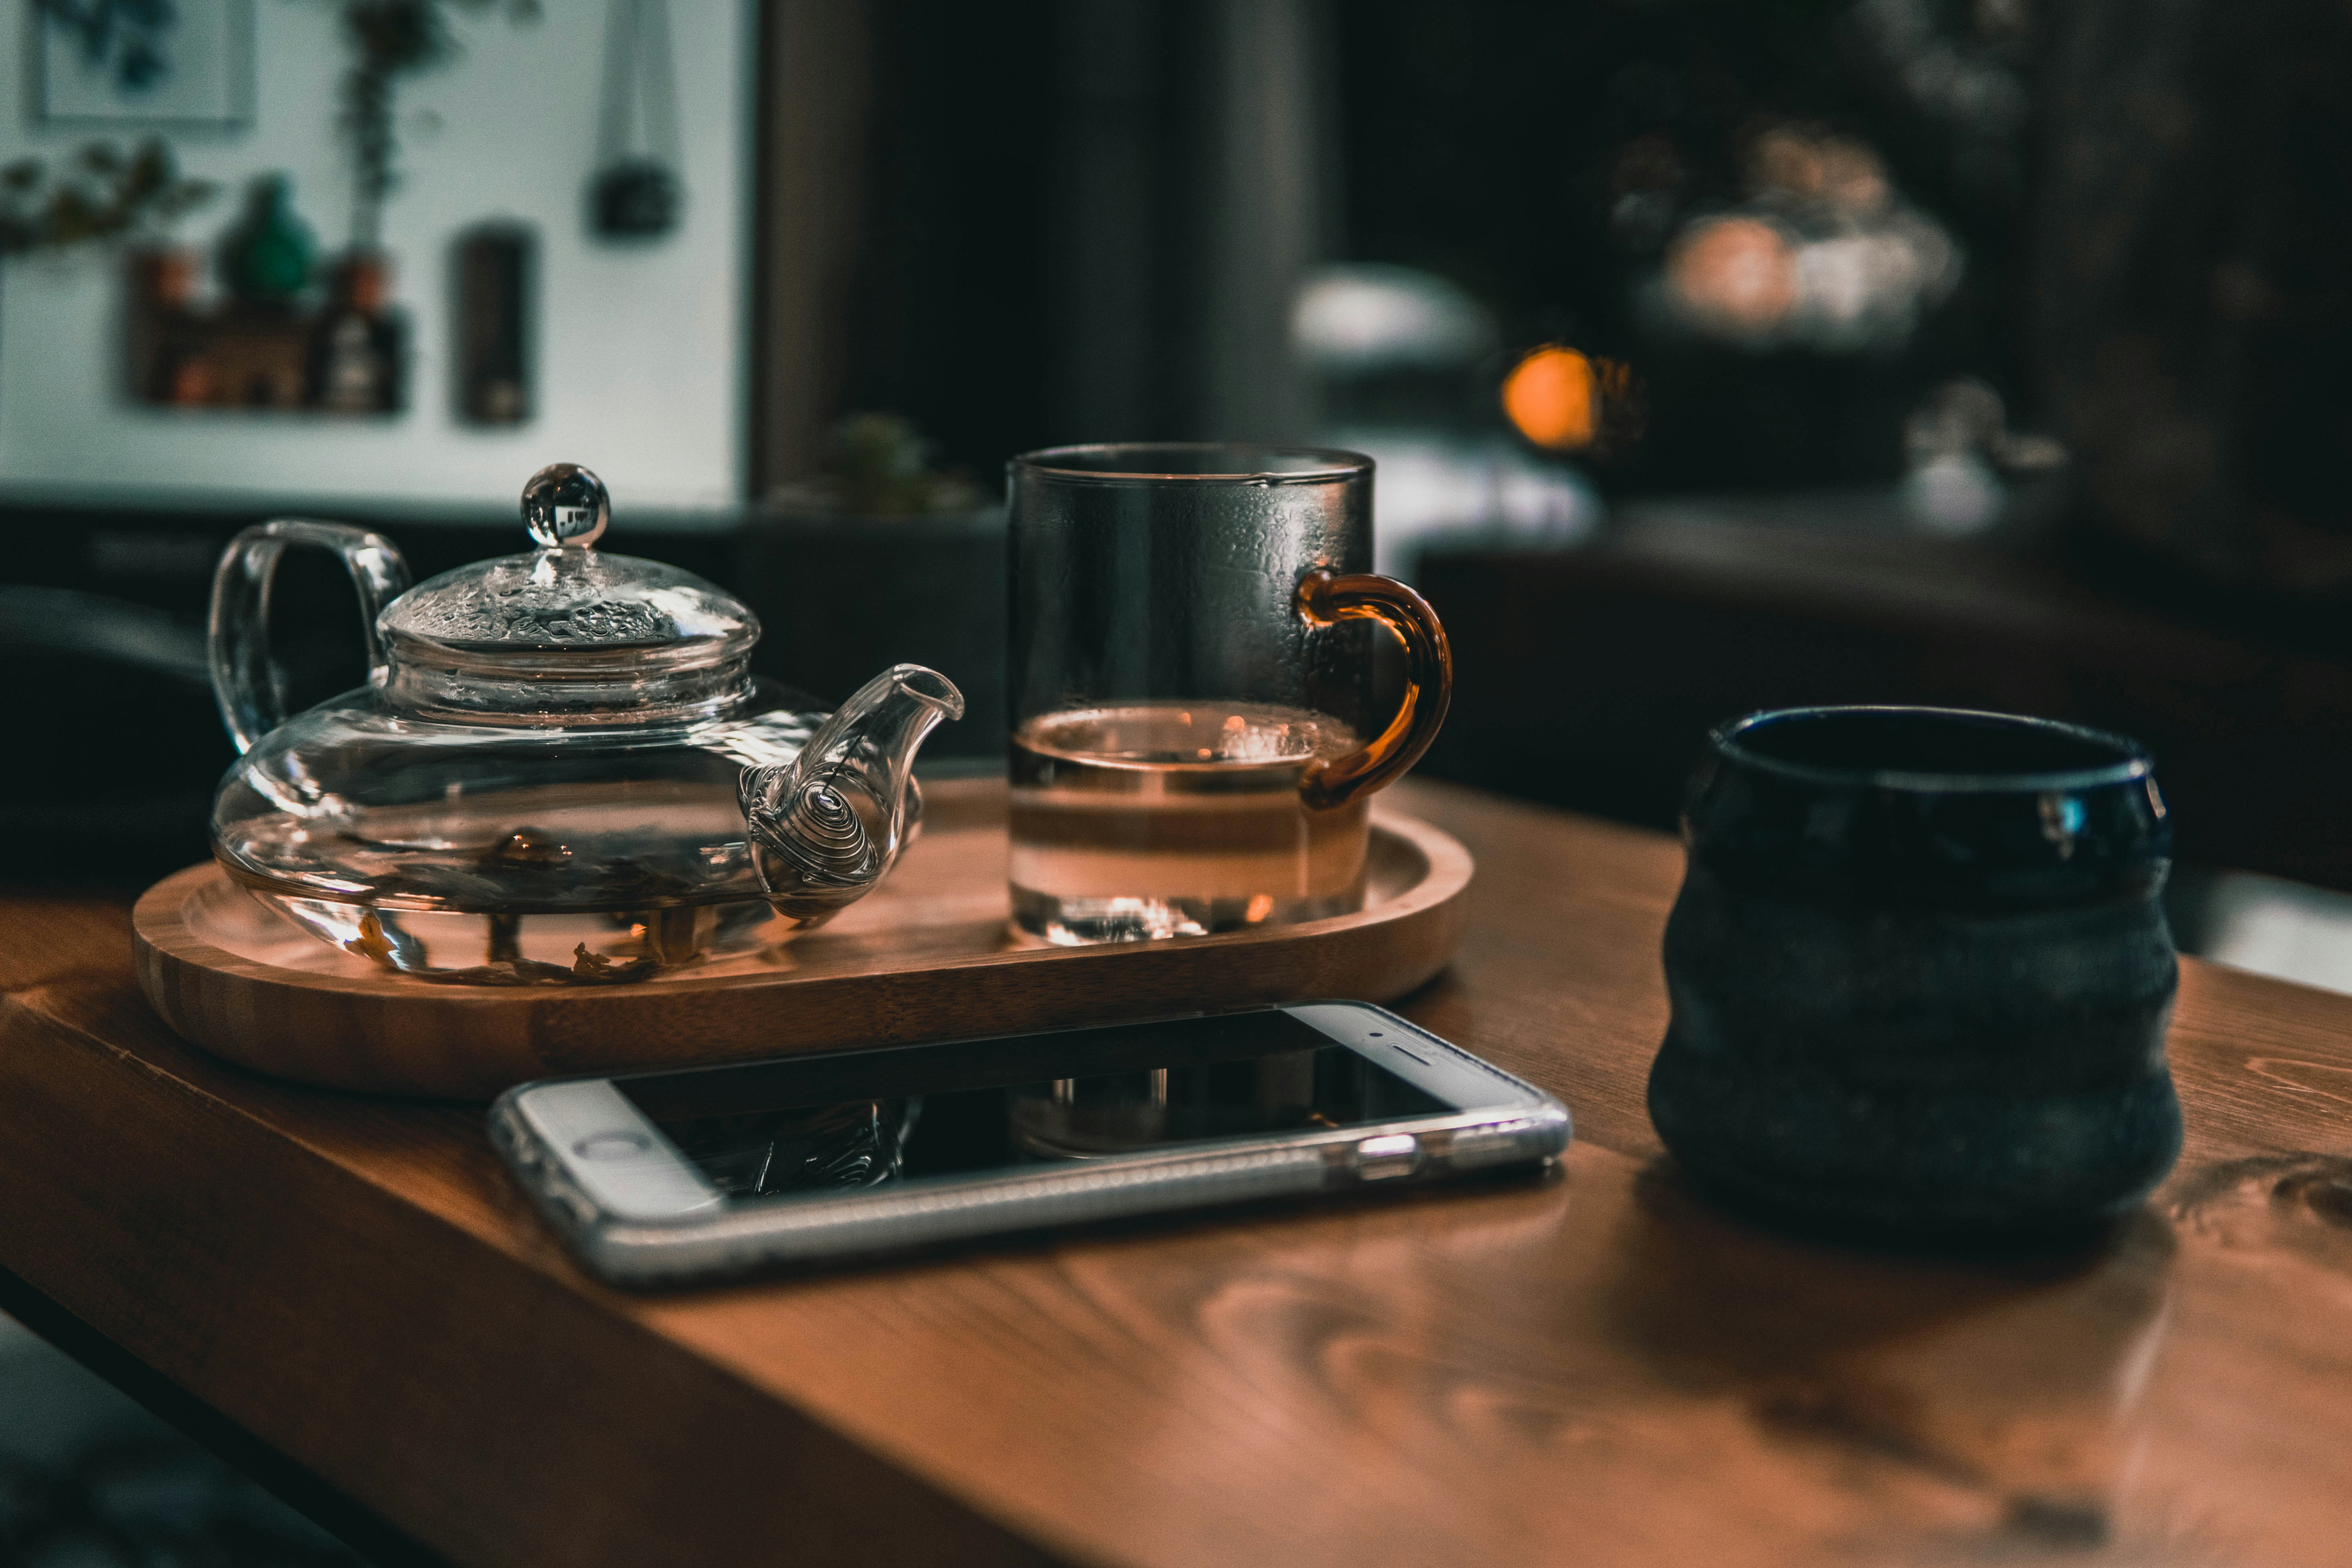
829 825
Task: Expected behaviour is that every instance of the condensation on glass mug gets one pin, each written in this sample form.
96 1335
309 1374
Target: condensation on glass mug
1197 722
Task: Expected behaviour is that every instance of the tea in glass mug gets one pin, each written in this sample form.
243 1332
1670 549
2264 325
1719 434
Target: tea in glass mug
1196 737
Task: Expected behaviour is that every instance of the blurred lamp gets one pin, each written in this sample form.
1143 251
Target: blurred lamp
1551 398
1365 318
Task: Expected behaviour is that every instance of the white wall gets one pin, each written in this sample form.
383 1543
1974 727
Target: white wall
640 364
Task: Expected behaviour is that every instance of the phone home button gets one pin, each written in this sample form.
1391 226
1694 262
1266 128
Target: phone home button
1378 1159
612 1145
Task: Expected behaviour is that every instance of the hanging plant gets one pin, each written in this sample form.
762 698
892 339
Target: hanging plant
99 192
390 40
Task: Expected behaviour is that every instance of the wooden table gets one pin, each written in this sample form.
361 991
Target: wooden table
1594 1368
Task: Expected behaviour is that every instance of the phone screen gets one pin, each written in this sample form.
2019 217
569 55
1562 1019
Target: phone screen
972 1108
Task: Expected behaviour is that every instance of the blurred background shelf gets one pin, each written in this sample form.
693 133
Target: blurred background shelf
1589 676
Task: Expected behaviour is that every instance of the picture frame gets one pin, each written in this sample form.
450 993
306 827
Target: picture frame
180 65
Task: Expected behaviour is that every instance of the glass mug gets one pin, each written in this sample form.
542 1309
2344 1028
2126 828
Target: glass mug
1197 729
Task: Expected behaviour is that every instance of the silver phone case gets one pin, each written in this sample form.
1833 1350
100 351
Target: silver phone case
1526 1127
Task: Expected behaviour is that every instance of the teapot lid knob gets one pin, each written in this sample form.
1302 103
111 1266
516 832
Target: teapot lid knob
565 506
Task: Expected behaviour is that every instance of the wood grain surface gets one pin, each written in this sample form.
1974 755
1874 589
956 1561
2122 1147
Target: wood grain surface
920 958
1592 1369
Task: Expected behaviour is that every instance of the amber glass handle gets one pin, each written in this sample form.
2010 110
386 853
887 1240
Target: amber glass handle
1326 598
246 682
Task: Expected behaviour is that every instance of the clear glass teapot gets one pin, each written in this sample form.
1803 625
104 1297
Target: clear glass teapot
561 771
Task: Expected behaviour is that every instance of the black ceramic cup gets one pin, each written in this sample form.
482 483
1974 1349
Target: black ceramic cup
1920 975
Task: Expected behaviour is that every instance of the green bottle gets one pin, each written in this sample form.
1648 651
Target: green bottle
268 256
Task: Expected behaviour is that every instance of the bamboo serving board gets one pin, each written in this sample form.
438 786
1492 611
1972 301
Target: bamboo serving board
927 955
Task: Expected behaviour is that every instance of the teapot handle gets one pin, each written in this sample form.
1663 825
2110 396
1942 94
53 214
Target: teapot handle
246 682
1326 598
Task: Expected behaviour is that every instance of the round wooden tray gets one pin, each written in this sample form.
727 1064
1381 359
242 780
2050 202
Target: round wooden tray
929 955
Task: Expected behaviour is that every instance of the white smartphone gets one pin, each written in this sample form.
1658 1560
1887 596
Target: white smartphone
673 1176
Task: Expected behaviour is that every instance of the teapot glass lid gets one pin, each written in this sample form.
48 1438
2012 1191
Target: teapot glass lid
567 597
